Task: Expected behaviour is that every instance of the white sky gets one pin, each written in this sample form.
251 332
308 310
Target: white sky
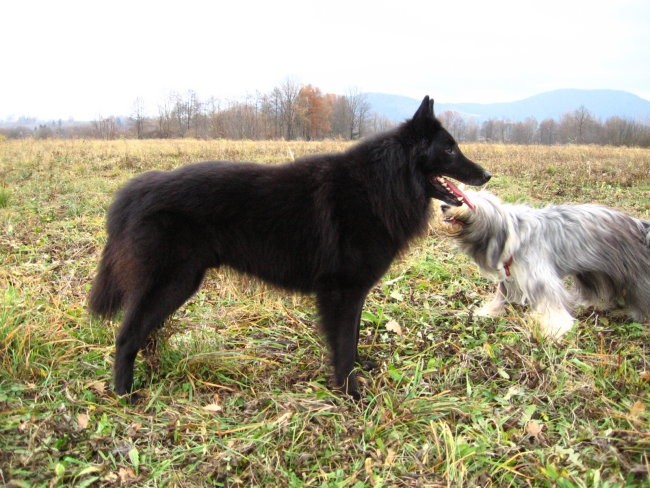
85 59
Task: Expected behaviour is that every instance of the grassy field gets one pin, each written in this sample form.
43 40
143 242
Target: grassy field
236 392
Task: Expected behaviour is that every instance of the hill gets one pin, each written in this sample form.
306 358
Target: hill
601 104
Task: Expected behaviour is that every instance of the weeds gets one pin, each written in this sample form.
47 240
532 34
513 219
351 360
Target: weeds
235 392
4 197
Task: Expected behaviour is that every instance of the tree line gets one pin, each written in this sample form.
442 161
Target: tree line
291 111
577 127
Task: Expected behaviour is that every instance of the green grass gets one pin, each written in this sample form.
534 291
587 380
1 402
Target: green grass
4 198
235 391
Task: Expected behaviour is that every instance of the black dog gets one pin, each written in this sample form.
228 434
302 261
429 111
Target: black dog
328 224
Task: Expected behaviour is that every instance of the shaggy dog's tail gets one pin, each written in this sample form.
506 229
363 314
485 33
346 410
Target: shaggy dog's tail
106 295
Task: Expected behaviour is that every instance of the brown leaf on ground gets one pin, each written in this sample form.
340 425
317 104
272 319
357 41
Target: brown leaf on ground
534 432
637 410
82 420
393 326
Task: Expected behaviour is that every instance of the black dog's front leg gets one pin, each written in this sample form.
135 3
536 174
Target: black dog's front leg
340 312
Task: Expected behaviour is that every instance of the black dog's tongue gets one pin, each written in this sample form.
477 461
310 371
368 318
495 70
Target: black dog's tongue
455 191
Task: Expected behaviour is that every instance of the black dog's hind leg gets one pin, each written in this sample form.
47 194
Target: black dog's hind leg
365 362
340 314
147 312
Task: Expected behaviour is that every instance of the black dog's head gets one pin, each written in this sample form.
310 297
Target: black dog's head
437 155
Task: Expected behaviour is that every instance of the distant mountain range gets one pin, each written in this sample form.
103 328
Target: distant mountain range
602 104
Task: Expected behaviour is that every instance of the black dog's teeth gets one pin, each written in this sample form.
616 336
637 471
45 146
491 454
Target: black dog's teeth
444 184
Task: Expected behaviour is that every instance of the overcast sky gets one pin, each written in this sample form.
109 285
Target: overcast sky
84 59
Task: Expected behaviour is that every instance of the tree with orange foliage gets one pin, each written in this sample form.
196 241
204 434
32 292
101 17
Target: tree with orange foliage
315 111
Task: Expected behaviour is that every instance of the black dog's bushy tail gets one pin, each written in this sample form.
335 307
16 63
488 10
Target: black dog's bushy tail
106 294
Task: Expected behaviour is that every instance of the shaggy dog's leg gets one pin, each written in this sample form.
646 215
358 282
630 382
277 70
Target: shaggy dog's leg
543 289
549 301
554 320
599 291
497 305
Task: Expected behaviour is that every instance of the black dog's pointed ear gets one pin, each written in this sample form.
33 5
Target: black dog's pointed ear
432 112
426 109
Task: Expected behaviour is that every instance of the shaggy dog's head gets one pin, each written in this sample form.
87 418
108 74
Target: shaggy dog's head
481 230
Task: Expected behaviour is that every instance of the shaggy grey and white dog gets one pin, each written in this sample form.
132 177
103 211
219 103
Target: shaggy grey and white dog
530 251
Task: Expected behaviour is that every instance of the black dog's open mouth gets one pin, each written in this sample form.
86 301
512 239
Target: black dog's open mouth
451 189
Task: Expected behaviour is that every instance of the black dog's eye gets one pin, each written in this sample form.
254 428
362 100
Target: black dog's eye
450 150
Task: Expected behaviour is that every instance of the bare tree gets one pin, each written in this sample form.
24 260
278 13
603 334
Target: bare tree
621 132
185 109
547 131
576 127
581 115
584 122
377 123
359 108
288 94
454 123
43 131
488 130
270 112
524 132
138 117
471 130
105 128
341 118
165 121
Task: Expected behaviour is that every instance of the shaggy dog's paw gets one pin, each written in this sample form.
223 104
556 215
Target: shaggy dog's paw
554 323
490 309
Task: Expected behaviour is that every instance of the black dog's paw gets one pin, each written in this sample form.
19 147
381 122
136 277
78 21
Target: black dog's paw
354 394
129 398
367 364
349 388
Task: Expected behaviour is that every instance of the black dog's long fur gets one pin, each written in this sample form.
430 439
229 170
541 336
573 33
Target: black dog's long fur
328 224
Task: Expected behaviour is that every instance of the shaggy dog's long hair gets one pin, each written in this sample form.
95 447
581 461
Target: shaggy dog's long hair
530 251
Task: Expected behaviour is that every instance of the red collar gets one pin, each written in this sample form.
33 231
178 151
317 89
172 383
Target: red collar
506 266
